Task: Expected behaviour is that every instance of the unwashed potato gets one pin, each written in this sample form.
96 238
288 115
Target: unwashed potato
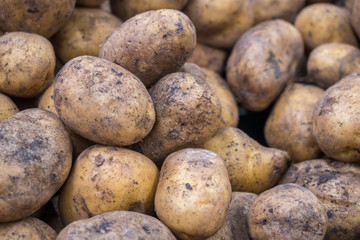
337 186
151 44
220 23
27 64
334 25
336 120
103 102
355 16
187 114
122 225
262 61
287 212
126 9
7 107
251 167
193 194
35 160
83 33
44 17
289 125
89 3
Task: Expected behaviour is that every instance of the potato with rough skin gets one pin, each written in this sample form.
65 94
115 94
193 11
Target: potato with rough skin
89 3
151 44
7 107
336 120
289 125
262 61
355 16
103 102
122 225
337 186
27 64
251 167
193 188
35 160
287 212
29 228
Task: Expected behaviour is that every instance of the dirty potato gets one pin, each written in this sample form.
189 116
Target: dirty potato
7 107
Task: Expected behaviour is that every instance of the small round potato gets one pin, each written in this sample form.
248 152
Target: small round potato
7 107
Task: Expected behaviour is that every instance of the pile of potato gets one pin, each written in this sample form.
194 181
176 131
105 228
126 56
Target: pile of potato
120 119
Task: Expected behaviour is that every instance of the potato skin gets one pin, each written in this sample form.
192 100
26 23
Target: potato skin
193 188
262 61
287 212
7 107
151 44
35 160
337 186
27 64
103 102
117 225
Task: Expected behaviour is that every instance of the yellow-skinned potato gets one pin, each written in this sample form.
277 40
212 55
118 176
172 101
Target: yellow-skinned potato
355 16
151 44
251 167
262 61
27 64
105 179
333 27
193 189
7 107
336 121
89 3
289 125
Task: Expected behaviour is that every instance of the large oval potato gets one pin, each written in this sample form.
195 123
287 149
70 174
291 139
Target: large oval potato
7 107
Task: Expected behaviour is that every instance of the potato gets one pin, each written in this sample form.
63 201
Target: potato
355 16
126 9
289 125
43 17
251 167
187 114
117 225
337 186
7 107
35 160
193 188
220 23
336 121
83 33
151 44
333 27
103 102
89 3
27 64
289 212
262 61
29 228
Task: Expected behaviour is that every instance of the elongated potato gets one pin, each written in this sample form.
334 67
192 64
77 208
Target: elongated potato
7 107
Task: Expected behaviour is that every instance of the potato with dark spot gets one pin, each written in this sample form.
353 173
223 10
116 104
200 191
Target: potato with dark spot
44 17
193 194
337 186
35 160
103 102
27 64
7 107
355 16
287 212
122 225
89 3
151 44
29 228
263 60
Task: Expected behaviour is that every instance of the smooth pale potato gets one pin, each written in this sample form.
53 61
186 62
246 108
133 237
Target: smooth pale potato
187 114
35 160
330 62
251 167
117 225
337 186
89 3
287 212
43 17
151 44
83 33
355 16
193 188
27 64
220 23
336 121
263 60
333 27
7 107
289 125
103 102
